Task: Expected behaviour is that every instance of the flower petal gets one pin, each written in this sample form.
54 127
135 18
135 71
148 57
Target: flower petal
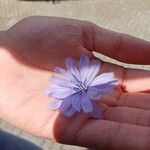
62 81
60 70
66 73
106 88
86 104
71 67
83 67
66 107
65 104
59 92
76 101
55 104
96 113
69 112
103 78
94 93
93 70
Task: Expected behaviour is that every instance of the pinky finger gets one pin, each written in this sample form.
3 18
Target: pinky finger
103 134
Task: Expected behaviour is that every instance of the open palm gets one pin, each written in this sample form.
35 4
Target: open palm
31 49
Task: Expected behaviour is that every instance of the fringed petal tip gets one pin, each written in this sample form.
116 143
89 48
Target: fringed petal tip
96 113
68 113
55 105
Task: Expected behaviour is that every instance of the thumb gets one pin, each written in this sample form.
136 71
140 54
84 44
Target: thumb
122 47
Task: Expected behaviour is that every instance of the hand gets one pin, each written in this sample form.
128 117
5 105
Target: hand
34 46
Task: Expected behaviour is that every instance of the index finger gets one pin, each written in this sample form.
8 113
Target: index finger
122 47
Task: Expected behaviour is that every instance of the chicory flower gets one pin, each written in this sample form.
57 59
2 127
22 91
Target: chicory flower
79 87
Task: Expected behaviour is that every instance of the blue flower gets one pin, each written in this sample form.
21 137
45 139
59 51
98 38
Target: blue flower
77 88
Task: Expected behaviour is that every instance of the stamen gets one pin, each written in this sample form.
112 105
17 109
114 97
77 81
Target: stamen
80 88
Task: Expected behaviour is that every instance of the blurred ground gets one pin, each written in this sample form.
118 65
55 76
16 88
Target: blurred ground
127 16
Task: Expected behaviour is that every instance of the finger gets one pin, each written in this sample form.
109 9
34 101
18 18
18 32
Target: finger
131 80
102 134
136 100
128 115
136 80
122 47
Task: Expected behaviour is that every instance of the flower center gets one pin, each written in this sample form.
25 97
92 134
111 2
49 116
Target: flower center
80 87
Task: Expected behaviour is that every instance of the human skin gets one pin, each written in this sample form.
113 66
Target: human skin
31 49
